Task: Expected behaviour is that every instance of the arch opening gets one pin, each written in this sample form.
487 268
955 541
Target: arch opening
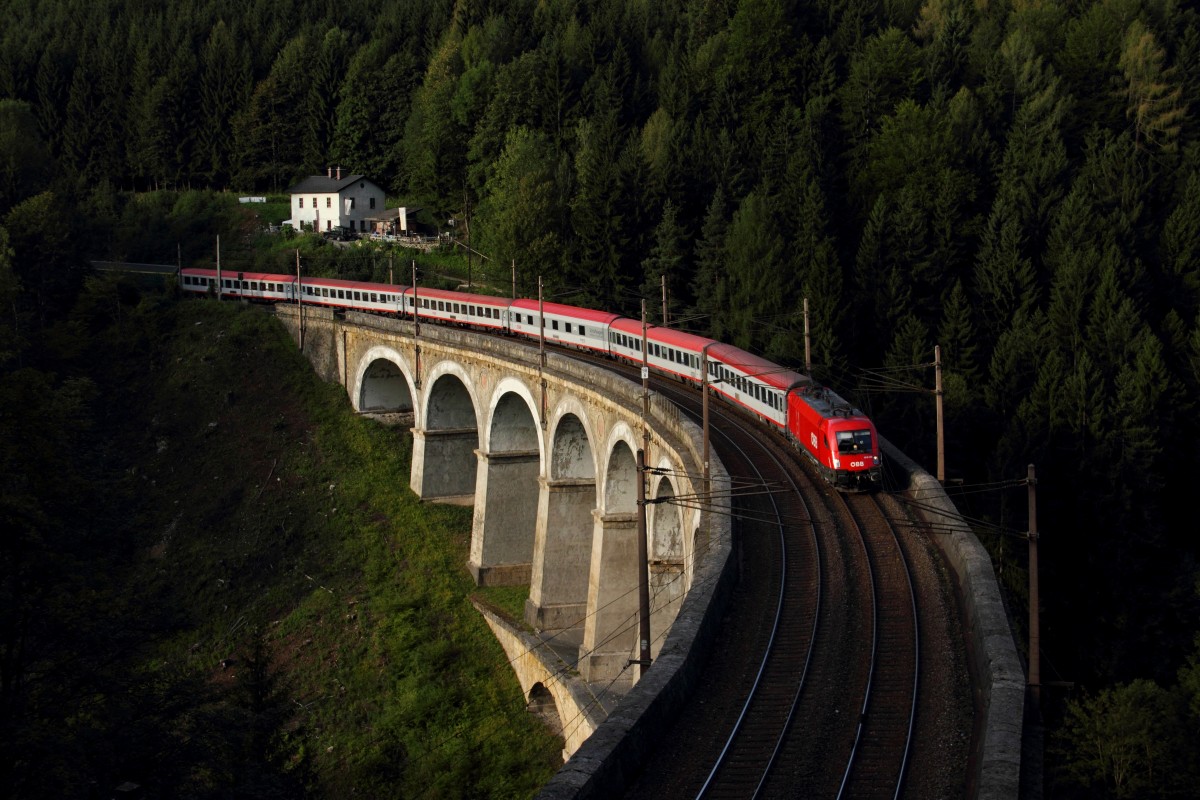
506 503
572 454
558 590
385 389
543 706
620 482
444 461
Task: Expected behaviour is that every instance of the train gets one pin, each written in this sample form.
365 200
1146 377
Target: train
837 437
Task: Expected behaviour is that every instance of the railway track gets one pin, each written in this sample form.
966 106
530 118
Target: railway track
820 574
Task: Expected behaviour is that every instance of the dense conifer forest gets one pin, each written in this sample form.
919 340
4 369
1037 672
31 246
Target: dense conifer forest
1017 181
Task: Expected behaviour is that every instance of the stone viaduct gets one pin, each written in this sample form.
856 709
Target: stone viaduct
547 455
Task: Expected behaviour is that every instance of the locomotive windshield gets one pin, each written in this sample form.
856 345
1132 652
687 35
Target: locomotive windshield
854 441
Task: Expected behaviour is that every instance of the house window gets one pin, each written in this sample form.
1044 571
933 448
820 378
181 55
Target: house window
329 202
351 202
314 202
372 202
302 202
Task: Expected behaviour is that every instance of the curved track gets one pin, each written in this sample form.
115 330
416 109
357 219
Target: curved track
811 688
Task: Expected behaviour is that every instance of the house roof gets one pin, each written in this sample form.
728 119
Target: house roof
322 184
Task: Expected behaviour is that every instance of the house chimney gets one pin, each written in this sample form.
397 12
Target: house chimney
339 175
329 172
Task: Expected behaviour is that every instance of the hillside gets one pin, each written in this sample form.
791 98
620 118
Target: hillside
253 604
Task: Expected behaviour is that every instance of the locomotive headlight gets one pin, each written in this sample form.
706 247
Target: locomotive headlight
837 464
876 460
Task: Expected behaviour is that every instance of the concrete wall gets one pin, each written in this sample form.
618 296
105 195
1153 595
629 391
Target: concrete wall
999 678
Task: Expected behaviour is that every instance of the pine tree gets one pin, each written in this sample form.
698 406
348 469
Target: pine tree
1004 278
1153 100
1181 247
517 214
666 262
757 279
224 83
324 80
709 287
598 213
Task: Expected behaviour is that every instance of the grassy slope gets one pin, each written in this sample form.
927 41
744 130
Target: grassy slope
274 513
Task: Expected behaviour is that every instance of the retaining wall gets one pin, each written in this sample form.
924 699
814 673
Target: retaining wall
998 676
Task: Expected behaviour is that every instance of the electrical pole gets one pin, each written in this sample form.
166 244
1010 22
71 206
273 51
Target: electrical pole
704 418
643 565
467 222
542 348
1035 634
645 385
807 343
299 300
416 324
665 320
941 426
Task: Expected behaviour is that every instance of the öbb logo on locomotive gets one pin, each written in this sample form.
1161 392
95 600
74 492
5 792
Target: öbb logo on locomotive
835 435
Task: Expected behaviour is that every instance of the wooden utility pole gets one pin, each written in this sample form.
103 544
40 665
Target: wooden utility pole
807 343
416 324
643 543
645 385
299 300
542 348
665 320
1035 634
643 566
941 426
704 418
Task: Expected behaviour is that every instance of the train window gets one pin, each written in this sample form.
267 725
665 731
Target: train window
341 294
583 330
568 327
374 297
854 441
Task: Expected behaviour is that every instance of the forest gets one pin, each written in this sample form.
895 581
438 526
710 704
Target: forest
1014 181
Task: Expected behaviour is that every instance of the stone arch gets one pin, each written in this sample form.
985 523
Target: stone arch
620 480
669 545
543 706
383 382
507 489
444 443
609 638
571 457
449 401
665 523
558 594
512 425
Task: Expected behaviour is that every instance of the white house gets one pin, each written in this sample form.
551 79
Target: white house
331 201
